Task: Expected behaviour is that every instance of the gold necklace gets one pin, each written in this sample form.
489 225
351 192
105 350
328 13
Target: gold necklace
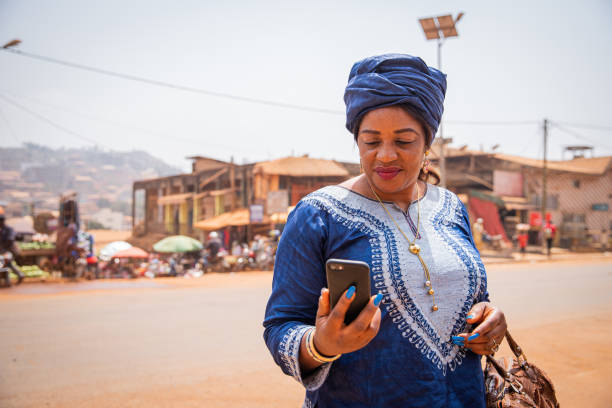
413 246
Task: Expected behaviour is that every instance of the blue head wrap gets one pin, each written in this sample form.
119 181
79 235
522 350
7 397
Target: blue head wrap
393 79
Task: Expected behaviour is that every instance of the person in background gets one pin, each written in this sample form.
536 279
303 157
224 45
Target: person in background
477 232
522 241
236 249
7 244
550 229
213 246
172 263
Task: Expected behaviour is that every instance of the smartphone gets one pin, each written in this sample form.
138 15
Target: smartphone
341 274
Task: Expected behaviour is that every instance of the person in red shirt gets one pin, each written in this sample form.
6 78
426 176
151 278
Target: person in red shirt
522 241
549 234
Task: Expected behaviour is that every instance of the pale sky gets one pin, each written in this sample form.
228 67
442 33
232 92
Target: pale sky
513 62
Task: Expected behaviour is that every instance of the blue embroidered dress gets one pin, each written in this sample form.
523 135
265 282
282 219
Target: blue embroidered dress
411 362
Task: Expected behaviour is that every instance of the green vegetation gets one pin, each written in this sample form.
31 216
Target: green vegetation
32 246
31 271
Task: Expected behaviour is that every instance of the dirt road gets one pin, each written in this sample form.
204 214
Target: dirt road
198 343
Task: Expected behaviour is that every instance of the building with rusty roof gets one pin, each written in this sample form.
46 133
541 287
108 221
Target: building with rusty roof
217 194
578 192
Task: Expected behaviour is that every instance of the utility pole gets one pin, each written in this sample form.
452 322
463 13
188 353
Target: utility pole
232 176
544 171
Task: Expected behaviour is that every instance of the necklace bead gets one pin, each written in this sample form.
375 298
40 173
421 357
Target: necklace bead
427 283
431 291
434 308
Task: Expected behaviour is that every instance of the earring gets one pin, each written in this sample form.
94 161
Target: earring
426 166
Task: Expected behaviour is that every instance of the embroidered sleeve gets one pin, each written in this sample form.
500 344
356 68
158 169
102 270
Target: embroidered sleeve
299 276
288 352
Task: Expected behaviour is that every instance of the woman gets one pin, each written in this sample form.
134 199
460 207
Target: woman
419 340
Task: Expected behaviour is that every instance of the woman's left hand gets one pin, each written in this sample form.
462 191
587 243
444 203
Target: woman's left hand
490 330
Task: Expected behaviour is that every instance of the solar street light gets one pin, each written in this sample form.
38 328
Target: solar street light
440 28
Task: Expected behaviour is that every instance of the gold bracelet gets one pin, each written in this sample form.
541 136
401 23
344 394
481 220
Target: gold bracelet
312 351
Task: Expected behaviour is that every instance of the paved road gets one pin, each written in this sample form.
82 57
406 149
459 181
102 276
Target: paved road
199 343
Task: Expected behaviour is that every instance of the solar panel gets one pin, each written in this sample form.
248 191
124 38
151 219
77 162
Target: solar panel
446 21
430 28
449 32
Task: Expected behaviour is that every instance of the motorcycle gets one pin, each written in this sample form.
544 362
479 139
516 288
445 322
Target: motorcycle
217 263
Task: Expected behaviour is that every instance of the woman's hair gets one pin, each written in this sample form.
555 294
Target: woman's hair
431 176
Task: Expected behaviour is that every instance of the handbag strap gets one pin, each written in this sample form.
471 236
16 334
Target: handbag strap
516 349
518 352
499 368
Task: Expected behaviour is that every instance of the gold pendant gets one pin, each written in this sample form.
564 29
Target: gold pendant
414 248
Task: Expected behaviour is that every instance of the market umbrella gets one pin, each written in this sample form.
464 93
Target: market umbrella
111 249
177 243
133 252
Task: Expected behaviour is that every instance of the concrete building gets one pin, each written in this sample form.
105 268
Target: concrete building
509 188
176 204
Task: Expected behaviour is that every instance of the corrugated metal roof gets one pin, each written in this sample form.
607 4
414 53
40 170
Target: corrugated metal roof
593 166
228 219
302 167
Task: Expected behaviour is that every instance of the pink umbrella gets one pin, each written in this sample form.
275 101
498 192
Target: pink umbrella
133 252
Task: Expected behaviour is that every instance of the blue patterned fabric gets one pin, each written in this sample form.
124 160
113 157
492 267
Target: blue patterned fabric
411 362
393 79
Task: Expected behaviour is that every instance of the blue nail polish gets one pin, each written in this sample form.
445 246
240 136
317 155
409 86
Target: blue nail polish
458 343
470 316
350 292
473 336
377 299
457 338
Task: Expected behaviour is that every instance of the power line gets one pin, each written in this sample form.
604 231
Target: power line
174 86
587 126
528 146
49 121
231 96
9 127
159 135
579 136
492 123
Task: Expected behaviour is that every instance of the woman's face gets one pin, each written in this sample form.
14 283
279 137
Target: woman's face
392 149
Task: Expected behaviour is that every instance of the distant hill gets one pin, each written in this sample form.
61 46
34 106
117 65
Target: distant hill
38 174
18 158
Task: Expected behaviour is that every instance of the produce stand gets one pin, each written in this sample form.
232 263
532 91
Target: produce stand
35 253
31 273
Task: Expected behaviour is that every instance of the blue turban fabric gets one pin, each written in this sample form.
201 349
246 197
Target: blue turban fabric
393 79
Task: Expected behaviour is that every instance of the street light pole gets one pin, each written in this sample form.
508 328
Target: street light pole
440 28
443 141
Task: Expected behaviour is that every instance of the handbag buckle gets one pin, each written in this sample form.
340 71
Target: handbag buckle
516 386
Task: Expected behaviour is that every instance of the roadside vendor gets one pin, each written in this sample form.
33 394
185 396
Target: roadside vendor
7 244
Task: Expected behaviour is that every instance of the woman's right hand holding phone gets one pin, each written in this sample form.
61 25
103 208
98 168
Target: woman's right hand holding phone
333 336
